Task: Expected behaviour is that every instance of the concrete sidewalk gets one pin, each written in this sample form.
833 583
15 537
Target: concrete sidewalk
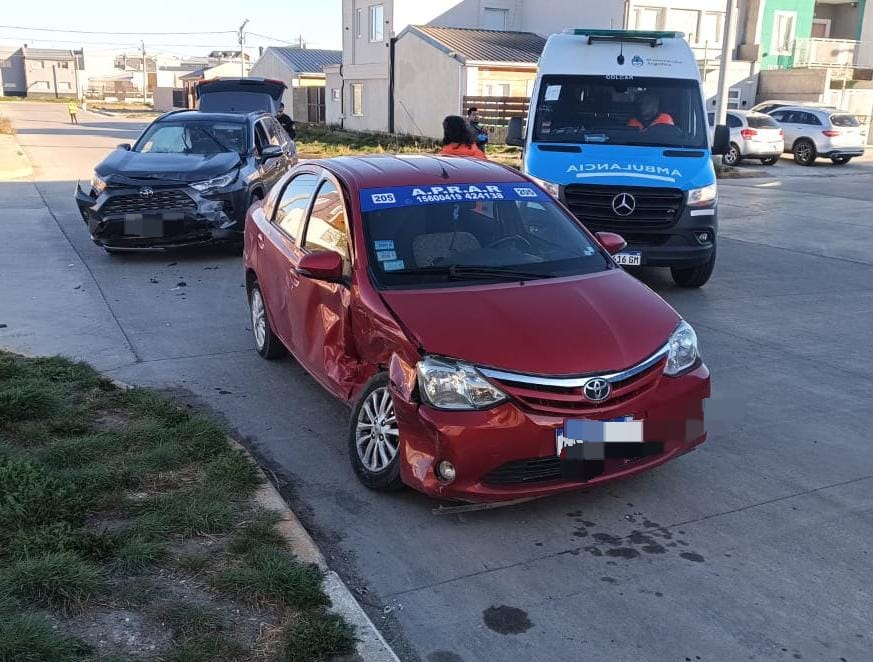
14 163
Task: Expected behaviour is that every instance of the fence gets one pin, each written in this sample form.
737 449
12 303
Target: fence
495 113
833 53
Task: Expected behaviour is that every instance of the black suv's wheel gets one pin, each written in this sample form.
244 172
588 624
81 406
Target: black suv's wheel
732 156
694 276
374 438
841 160
804 152
266 342
770 160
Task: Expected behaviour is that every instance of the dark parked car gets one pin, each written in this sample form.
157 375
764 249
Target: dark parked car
191 175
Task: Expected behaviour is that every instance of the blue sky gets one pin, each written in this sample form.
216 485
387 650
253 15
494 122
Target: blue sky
319 21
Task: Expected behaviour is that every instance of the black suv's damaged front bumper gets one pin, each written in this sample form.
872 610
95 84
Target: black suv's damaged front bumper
160 216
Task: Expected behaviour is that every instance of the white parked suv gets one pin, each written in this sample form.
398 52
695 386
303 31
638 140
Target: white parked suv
753 136
814 132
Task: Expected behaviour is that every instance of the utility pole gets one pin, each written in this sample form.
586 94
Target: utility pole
145 75
727 47
242 49
300 37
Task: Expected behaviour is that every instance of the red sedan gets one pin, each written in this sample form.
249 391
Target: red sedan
489 346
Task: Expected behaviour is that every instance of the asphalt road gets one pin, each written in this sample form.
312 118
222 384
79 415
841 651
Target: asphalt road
756 546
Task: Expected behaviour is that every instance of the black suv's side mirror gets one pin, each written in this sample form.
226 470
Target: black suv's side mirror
271 152
721 139
514 135
125 146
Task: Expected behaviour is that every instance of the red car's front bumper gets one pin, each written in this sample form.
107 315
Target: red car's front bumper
508 453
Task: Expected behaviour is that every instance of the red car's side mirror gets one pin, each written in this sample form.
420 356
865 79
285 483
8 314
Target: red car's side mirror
613 243
323 265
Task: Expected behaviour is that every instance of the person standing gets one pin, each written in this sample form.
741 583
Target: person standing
286 122
458 139
74 111
479 131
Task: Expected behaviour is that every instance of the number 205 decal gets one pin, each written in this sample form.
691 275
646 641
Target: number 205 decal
383 198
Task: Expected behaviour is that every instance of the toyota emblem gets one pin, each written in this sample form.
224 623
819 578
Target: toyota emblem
597 389
624 204
146 192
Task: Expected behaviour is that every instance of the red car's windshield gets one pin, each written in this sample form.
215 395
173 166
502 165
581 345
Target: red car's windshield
457 237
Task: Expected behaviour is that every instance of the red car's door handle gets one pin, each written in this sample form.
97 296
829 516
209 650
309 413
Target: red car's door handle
260 240
293 277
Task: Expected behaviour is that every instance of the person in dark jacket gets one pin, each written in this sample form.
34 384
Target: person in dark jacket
286 122
479 131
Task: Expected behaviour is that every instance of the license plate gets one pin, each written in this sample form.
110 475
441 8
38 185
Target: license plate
137 225
624 429
630 259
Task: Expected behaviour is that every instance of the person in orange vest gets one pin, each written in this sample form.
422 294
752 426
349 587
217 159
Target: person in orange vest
648 108
458 140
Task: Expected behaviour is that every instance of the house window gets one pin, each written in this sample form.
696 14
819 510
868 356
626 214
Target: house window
685 21
648 18
496 89
41 85
359 20
784 27
495 19
335 94
711 27
357 99
64 86
377 23
63 65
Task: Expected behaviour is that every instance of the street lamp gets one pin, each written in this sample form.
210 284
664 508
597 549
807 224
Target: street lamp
242 49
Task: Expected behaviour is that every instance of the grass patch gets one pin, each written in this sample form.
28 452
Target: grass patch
233 472
27 638
316 635
58 580
136 555
188 514
271 576
260 533
193 563
189 620
207 649
32 496
100 490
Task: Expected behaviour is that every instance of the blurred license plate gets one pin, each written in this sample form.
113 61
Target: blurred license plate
631 259
624 429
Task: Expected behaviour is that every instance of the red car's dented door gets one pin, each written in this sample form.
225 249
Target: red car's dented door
320 309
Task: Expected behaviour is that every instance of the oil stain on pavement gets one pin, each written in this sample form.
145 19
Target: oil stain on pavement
506 620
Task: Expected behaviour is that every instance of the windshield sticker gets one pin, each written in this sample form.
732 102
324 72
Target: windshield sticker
409 196
393 265
382 256
553 92
635 170
384 244
637 61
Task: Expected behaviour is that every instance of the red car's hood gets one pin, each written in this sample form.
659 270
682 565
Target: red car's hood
601 322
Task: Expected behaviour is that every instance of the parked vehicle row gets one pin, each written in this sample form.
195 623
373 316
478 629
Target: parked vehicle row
192 175
808 131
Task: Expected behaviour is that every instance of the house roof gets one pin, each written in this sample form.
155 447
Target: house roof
469 45
50 54
197 73
307 60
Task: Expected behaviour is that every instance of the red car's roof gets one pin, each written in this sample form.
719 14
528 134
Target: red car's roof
416 169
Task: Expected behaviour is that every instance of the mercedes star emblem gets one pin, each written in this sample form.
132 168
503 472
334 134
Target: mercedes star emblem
597 389
146 192
624 204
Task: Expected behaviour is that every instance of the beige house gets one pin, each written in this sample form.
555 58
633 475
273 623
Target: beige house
467 63
302 70
42 72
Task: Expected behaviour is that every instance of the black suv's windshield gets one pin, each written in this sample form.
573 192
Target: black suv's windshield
464 242
632 111
197 137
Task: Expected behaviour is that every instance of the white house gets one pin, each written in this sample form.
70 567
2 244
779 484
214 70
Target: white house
302 70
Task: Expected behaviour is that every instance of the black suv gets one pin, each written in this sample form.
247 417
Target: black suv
192 175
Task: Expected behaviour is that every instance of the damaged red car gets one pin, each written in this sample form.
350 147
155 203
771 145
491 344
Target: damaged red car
488 345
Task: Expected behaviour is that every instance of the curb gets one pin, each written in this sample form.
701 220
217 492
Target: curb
22 167
371 645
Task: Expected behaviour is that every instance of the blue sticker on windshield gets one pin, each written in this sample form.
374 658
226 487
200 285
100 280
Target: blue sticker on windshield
407 196
393 265
384 244
386 255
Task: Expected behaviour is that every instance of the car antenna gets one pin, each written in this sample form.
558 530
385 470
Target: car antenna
620 58
443 172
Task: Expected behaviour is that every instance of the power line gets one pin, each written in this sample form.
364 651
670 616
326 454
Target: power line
147 34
